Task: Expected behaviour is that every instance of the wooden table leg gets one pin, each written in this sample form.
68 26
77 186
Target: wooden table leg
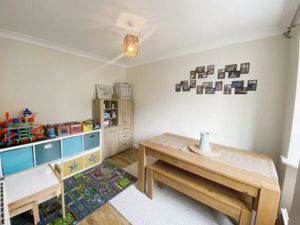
36 214
149 183
142 168
267 206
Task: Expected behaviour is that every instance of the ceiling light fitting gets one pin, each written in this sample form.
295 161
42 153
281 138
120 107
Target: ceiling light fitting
288 32
131 45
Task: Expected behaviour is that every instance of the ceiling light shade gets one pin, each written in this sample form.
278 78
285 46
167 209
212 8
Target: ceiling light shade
131 45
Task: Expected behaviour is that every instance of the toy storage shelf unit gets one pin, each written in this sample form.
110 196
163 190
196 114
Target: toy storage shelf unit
75 152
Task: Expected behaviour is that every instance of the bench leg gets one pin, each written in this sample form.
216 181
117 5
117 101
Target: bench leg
35 210
245 217
149 183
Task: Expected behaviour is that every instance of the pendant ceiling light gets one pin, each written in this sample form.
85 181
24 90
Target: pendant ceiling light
131 45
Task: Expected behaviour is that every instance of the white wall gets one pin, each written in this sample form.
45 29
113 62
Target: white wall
290 137
295 216
251 122
59 86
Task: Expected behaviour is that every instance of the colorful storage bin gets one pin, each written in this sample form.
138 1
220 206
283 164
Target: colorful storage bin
62 129
87 125
75 127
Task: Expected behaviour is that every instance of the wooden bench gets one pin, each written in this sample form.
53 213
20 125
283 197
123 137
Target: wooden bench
212 194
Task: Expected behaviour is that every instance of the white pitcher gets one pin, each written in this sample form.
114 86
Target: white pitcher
204 144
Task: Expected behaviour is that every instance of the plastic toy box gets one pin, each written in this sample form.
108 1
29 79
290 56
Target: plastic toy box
62 129
75 127
87 125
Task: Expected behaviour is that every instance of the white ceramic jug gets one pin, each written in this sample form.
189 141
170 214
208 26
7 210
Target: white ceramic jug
204 144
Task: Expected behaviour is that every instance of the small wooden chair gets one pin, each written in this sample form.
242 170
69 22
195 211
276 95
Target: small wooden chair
59 174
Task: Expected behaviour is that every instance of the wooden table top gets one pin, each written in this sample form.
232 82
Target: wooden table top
249 175
29 182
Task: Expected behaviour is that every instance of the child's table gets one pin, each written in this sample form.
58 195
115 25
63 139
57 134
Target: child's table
27 189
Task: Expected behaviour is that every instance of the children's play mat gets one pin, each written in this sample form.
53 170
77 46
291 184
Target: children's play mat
84 193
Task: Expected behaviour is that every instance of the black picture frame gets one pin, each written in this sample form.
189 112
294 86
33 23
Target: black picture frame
240 91
193 74
186 88
232 67
210 69
252 85
244 68
192 83
221 73
237 84
199 89
202 75
227 89
200 69
184 83
219 85
234 74
177 88
207 85
210 90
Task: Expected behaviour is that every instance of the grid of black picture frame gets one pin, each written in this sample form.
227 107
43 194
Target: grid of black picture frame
239 87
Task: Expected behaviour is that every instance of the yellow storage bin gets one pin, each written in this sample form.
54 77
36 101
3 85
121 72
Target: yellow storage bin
91 159
72 166
87 126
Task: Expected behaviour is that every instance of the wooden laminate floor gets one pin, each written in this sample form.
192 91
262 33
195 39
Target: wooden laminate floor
107 214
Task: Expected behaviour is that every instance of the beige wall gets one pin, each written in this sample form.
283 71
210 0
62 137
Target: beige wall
59 86
295 216
251 122
290 137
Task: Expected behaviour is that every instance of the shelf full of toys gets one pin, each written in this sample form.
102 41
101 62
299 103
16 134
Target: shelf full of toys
23 130
14 131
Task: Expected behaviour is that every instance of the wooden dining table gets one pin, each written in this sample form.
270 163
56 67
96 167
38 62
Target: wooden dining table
248 172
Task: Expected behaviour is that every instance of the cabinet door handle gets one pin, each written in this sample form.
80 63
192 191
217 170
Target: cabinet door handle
48 146
92 136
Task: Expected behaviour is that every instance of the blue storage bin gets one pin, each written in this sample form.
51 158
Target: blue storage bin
47 152
16 160
72 146
91 140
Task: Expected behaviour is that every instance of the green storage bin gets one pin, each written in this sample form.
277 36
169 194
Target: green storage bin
47 152
91 140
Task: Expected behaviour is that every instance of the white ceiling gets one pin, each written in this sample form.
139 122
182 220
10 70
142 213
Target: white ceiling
172 27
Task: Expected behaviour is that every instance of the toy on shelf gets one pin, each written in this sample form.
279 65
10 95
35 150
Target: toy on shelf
75 127
62 129
49 130
87 125
14 131
96 126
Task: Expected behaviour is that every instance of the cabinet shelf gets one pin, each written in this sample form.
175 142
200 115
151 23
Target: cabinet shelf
110 109
111 118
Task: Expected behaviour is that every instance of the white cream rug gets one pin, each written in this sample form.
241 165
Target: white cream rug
168 207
